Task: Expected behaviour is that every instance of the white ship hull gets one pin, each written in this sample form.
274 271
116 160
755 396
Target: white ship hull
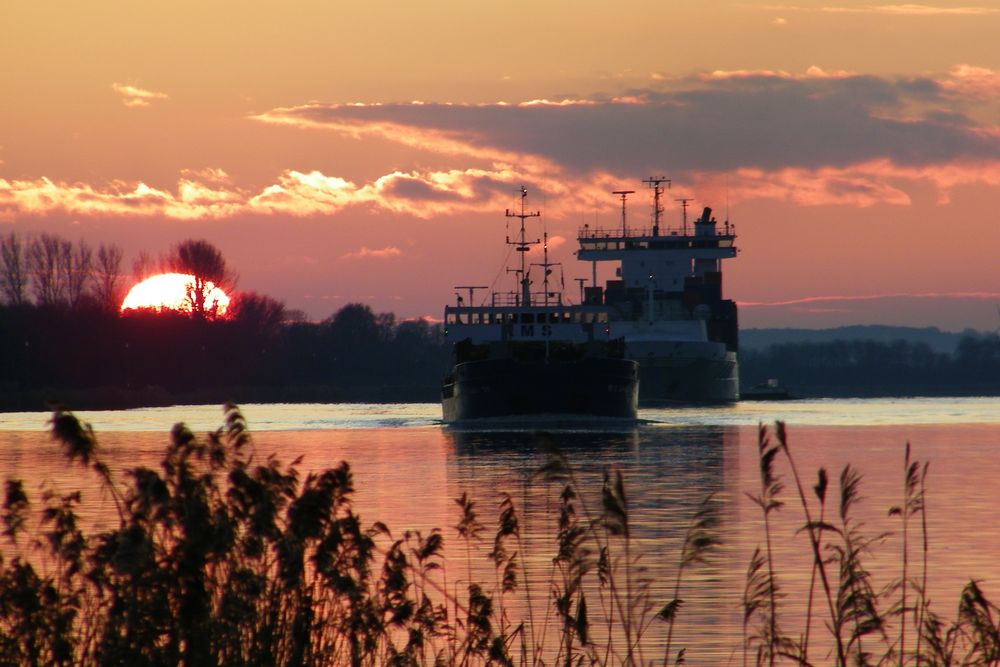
678 363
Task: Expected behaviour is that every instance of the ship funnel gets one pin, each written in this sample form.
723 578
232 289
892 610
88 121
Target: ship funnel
705 225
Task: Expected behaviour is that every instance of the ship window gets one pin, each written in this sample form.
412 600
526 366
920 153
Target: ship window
602 317
527 318
450 319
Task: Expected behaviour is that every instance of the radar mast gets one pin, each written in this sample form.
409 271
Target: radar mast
624 195
656 182
522 245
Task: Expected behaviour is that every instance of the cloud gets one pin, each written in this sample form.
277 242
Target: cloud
718 121
835 136
812 138
368 253
903 9
421 194
805 301
133 96
912 10
812 72
193 200
779 21
970 81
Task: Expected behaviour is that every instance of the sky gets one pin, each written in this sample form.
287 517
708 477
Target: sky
342 152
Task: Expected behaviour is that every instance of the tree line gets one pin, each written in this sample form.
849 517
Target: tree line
874 368
91 358
48 270
63 336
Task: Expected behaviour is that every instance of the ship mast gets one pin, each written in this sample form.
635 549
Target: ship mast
656 182
522 245
624 195
684 207
545 264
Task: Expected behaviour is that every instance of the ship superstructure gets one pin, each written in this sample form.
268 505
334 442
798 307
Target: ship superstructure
665 302
528 353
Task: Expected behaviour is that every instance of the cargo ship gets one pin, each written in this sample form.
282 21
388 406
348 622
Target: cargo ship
665 302
525 355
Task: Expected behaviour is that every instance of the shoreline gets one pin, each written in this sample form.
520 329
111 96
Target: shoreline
127 398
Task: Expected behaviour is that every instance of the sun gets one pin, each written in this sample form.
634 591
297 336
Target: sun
170 291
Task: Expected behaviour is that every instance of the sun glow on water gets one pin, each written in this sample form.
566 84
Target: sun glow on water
171 291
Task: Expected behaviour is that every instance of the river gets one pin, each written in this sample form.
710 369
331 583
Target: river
409 469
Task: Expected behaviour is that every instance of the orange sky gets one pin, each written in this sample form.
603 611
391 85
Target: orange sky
366 153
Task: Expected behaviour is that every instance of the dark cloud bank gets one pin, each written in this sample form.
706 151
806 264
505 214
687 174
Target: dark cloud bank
765 121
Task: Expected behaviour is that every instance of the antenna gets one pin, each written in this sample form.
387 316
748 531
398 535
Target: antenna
684 206
624 195
522 245
656 182
727 201
472 289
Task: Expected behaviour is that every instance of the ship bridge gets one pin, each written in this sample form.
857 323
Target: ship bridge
663 257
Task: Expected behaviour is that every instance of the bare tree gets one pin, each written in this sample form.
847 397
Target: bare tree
143 267
47 256
13 270
205 262
108 277
79 271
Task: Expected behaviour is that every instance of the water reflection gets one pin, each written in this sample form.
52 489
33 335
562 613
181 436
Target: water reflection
668 471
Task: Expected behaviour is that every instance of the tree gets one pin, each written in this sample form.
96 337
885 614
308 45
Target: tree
79 272
205 263
353 338
13 270
108 276
48 256
143 267
354 326
260 313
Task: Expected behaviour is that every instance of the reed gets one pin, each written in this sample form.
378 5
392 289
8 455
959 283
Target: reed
219 558
865 625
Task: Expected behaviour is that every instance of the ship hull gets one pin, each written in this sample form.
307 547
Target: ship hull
599 387
689 378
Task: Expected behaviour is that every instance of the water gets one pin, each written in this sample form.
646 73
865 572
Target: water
409 469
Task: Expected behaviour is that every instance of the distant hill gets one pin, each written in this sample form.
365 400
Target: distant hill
943 342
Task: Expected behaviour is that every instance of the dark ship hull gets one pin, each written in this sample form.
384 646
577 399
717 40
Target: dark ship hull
708 379
591 387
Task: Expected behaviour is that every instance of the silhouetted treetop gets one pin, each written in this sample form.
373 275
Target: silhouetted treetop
206 263
264 315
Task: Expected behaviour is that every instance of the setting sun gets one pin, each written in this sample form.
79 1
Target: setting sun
172 291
